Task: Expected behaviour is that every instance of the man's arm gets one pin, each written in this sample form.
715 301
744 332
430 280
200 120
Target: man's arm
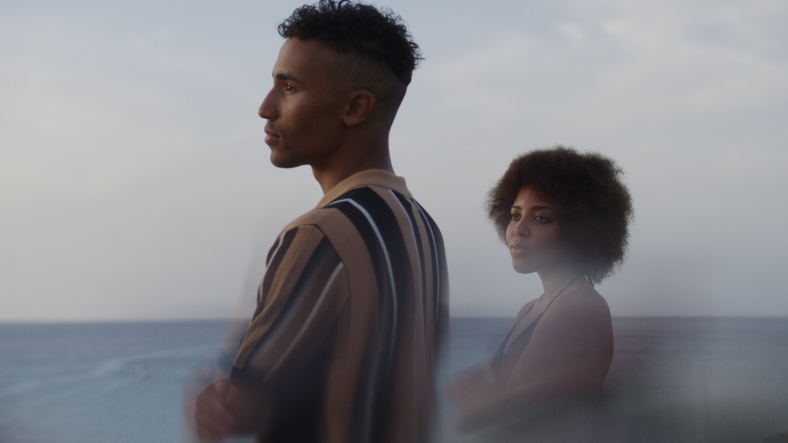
212 417
225 408
304 291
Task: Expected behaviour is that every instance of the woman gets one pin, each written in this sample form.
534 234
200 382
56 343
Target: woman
564 216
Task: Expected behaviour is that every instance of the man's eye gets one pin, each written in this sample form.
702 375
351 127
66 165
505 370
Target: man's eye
289 88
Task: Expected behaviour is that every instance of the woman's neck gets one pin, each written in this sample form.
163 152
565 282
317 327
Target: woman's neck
557 280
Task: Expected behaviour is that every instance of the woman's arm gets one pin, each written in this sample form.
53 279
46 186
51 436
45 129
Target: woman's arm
568 355
471 384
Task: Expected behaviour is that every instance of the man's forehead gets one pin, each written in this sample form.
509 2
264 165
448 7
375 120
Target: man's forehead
313 49
299 59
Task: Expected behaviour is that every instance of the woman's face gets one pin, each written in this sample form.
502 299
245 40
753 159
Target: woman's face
534 234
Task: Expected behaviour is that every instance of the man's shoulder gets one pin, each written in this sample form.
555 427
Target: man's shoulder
371 200
368 214
314 217
337 220
357 213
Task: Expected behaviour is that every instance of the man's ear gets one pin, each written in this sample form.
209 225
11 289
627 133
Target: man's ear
359 107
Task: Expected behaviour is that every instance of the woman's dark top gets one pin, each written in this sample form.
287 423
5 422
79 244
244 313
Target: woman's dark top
506 357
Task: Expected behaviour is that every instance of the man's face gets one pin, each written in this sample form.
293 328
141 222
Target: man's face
304 108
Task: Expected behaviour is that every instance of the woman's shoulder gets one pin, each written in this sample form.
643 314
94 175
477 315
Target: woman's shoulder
582 304
583 296
525 309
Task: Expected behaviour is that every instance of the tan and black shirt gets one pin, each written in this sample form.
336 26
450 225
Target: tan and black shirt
351 315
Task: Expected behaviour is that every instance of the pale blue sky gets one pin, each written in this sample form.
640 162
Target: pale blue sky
135 183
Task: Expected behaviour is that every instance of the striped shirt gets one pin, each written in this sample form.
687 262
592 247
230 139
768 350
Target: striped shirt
352 313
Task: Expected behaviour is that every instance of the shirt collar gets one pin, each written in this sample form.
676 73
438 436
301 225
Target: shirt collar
367 177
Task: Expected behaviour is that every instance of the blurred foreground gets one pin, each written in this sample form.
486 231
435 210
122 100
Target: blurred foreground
672 380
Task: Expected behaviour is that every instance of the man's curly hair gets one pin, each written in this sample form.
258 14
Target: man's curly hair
594 205
378 35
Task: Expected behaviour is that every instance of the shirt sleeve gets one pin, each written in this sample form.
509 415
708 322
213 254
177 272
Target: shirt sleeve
302 295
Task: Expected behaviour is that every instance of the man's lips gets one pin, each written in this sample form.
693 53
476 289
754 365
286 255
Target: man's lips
270 135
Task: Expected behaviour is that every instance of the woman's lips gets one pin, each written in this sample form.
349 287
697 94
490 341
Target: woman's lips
517 249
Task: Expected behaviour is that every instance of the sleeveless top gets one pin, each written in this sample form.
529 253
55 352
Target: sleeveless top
506 357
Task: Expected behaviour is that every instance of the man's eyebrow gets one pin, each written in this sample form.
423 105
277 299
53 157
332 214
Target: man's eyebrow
284 76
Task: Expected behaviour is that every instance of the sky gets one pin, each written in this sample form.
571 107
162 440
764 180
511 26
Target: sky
135 183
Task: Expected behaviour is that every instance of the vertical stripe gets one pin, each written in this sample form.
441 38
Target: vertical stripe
435 260
386 256
365 410
419 256
273 250
378 226
317 273
308 322
275 257
402 202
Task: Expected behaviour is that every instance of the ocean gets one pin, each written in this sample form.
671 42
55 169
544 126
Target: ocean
672 380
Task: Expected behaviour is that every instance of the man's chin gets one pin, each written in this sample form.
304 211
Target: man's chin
285 162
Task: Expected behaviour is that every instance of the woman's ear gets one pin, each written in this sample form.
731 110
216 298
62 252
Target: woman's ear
359 107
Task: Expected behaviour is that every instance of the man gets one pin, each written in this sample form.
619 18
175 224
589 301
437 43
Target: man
352 310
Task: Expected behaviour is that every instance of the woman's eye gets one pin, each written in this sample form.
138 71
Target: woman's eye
515 217
289 88
541 219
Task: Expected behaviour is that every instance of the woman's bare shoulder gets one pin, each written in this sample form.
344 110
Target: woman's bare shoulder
526 307
582 301
577 313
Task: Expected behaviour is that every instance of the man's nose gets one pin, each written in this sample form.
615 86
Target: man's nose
267 110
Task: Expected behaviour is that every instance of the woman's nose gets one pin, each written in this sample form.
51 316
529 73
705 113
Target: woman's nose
521 230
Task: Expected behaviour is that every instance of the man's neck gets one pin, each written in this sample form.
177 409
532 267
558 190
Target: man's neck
332 174
330 178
